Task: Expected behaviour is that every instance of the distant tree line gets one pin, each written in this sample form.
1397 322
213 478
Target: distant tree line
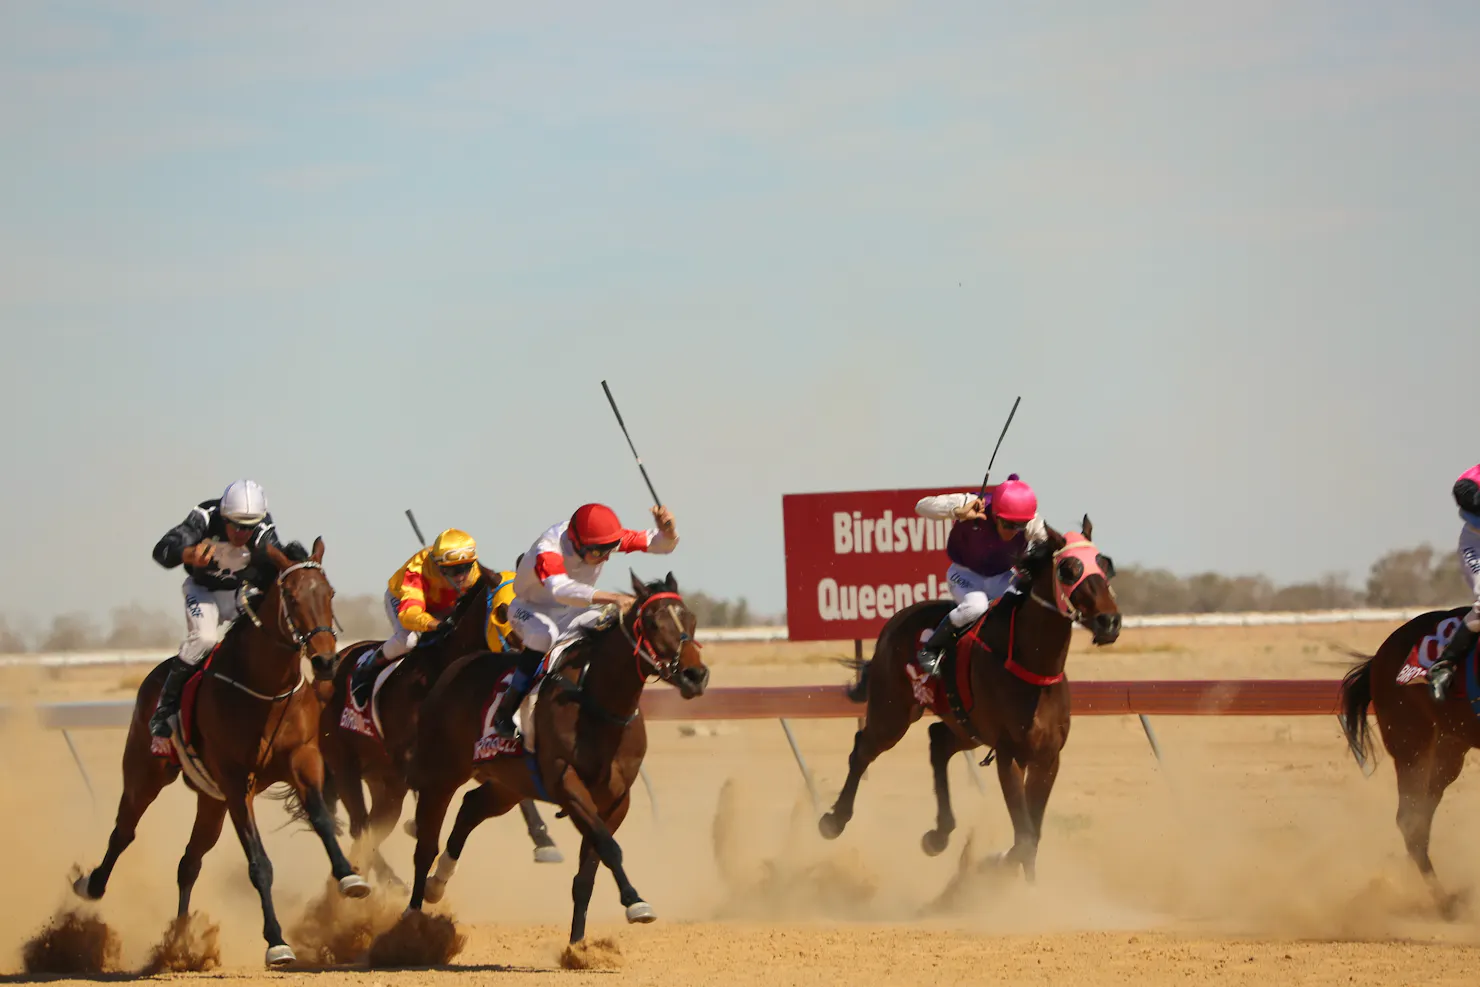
1412 577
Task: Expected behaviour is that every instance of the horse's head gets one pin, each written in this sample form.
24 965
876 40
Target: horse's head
663 631
305 612
1070 575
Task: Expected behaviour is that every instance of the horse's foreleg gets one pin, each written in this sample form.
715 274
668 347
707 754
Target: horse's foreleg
944 744
1024 833
431 809
1421 784
259 869
209 815
308 780
581 806
387 798
580 888
479 804
1041 775
545 851
882 728
144 777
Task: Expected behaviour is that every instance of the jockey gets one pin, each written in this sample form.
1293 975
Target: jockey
984 547
1467 496
219 543
555 589
423 593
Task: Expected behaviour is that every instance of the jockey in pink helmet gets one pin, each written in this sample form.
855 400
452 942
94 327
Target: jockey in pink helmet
984 546
1467 495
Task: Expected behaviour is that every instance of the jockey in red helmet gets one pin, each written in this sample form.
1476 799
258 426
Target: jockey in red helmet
984 546
555 594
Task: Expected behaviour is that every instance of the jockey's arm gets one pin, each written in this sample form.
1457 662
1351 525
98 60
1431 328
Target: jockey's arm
169 550
411 608
655 541
947 507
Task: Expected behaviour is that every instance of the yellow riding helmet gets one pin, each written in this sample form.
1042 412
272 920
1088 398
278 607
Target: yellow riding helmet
454 547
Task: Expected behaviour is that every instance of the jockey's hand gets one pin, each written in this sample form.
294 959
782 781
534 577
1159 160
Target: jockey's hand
602 597
199 554
664 517
435 625
974 509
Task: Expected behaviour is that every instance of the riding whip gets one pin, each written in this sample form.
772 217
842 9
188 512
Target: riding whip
416 528
999 444
613 403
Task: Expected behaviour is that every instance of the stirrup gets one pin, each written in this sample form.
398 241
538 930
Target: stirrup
1439 675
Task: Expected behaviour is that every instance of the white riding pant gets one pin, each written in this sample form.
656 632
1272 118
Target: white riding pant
973 593
1469 561
401 640
541 627
207 615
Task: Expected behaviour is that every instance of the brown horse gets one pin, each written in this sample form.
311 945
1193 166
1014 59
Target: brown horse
356 762
1016 677
253 725
1427 740
589 738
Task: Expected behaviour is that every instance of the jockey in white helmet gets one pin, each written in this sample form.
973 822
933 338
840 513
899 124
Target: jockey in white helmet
220 544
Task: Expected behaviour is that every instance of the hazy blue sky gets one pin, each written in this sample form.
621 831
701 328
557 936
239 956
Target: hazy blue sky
379 256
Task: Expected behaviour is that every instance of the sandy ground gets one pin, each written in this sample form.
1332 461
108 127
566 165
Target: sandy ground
1255 853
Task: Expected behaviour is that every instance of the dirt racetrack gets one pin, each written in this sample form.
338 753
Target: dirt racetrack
1256 854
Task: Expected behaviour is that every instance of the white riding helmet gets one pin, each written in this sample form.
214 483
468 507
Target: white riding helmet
244 504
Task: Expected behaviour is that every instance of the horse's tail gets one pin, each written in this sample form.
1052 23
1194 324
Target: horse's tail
858 691
297 811
1356 696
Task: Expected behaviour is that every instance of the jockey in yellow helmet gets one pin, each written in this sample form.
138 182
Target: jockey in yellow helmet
423 593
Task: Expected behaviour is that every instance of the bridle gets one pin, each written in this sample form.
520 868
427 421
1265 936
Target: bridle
284 615
663 667
1084 550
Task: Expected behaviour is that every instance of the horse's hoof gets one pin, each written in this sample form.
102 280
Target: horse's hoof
548 855
354 886
436 888
280 956
410 828
934 842
641 911
1452 906
830 826
81 889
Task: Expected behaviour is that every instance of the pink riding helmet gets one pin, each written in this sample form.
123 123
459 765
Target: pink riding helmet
1014 500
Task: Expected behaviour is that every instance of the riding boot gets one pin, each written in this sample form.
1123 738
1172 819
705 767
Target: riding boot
169 697
934 649
362 679
1444 667
508 704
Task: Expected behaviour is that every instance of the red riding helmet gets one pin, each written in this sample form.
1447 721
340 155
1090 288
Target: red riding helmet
594 526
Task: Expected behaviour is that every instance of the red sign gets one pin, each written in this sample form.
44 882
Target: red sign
853 560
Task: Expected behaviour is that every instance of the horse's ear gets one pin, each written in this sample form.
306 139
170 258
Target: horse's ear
638 586
1088 528
278 557
671 583
318 549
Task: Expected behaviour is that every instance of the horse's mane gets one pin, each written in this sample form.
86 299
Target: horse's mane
295 551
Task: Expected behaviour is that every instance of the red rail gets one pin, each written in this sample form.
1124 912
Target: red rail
1221 697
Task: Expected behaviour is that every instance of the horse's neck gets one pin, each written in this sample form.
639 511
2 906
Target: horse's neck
611 678
1040 642
258 657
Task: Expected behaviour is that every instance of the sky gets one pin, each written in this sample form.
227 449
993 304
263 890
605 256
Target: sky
380 256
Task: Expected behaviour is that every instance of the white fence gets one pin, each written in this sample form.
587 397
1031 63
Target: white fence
772 634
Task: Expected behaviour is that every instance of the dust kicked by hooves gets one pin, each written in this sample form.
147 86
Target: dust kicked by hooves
191 944
417 939
334 930
73 942
592 954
